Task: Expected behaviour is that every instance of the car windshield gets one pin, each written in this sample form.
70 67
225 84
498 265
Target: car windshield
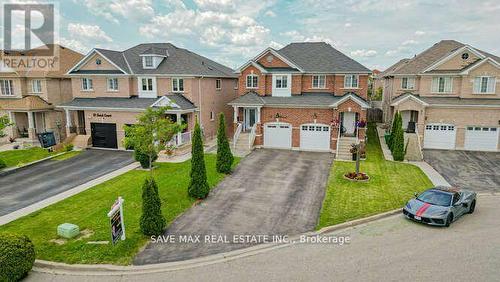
434 197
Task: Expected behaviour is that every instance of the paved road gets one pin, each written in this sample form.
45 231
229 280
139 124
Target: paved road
40 181
271 192
477 171
393 249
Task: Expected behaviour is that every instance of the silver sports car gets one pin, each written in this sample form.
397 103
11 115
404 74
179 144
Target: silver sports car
440 205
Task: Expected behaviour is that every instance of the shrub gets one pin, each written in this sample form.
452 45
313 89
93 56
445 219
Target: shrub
198 186
2 164
152 220
69 147
143 158
224 156
17 255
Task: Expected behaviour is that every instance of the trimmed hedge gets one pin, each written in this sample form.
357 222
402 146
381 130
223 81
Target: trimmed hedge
143 158
17 255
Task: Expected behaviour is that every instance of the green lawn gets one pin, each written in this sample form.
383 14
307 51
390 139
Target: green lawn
89 208
19 157
67 155
390 186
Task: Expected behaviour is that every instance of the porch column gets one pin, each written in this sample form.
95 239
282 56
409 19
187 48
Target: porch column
13 127
179 134
258 115
69 122
31 126
235 115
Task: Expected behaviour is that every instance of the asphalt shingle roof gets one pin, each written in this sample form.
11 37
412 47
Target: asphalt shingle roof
305 99
451 100
320 57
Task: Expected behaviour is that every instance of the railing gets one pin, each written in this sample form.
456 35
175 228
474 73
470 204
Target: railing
237 134
338 142
251 138
185 137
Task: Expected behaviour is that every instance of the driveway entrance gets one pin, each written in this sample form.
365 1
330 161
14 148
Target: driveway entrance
272 192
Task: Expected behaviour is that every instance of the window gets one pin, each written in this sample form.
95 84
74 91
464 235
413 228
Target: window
319 81
484 85
177 84
36 86
252 81
351 81
441 84
281 81
147 84
7 87
112 84
87 84
148 61
407 83
212 116
218 83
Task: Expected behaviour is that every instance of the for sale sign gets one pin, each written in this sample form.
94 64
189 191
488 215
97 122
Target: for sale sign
116 221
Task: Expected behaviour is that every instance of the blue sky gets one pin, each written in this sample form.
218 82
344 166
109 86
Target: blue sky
375 32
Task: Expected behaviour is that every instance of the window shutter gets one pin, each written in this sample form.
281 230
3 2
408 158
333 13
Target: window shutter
435 84
491 85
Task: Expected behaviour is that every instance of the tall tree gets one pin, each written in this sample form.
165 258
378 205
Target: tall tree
198 186
150 134
152 221
398 148
224 156
393 127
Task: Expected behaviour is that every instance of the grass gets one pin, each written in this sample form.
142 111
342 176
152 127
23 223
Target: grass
66 155
14 158
391 184
88 210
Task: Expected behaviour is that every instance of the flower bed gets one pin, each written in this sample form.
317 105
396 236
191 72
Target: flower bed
360 177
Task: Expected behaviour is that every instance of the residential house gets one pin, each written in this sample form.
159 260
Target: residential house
30 95
110 88
304 96
448 96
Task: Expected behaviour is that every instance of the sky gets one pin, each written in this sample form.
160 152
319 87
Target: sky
377 33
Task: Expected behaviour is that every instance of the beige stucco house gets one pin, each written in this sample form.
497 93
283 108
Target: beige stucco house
30 95
110 88
448 95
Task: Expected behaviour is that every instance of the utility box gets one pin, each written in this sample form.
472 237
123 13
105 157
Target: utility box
68 230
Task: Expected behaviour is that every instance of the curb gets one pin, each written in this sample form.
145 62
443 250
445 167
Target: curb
108 269
14 169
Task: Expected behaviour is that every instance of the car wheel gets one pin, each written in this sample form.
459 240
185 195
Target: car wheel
472 206
449 220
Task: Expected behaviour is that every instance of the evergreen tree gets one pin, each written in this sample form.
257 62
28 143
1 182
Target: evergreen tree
152 221
224 156
198 186
398 144
393 127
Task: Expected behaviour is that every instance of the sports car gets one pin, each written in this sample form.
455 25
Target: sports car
440 205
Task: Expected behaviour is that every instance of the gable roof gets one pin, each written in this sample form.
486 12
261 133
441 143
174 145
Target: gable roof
177 61
305 100
390 70
448 101
320 57
439 51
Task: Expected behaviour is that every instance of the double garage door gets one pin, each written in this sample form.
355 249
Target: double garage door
313 137
104 135
443 136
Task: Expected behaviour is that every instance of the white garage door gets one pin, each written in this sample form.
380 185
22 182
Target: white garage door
440 136
481 138
315 137
278 135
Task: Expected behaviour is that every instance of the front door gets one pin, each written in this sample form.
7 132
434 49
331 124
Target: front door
250 118
349 123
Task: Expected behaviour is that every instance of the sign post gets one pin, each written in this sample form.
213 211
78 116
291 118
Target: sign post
116 220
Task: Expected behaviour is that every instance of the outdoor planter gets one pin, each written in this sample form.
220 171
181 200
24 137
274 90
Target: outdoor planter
360 177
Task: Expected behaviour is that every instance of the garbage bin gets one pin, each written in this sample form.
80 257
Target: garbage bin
387 136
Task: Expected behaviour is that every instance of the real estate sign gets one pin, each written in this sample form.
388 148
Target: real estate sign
116 220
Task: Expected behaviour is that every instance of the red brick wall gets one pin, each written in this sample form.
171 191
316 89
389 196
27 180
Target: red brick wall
307 84
362 91
242 81
275 63
296 84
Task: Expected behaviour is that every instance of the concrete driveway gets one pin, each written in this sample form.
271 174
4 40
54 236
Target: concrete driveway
272 192
477 171
43 180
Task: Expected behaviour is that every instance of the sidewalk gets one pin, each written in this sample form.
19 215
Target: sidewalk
436 178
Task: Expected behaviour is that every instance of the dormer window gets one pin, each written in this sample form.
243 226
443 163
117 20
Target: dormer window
148 62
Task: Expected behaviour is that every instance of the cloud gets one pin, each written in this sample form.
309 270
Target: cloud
270 14
347 25
88 32
363 53
419 33
297 36
137 10
275 45
75 45
409 42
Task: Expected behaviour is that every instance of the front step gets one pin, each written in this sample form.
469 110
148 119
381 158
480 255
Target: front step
82 141
345 147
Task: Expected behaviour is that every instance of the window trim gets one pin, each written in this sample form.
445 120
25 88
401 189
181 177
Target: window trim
281 78
212 116
444 86
3 87
36 91
351 85
489 77
318 86
408 79
108 84
218 84
88 79
147 84
145 62
256 82
178 85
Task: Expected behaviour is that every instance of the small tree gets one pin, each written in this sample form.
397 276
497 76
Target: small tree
393 127
150 134
152 221
198 186
398 143
4 122
224 156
